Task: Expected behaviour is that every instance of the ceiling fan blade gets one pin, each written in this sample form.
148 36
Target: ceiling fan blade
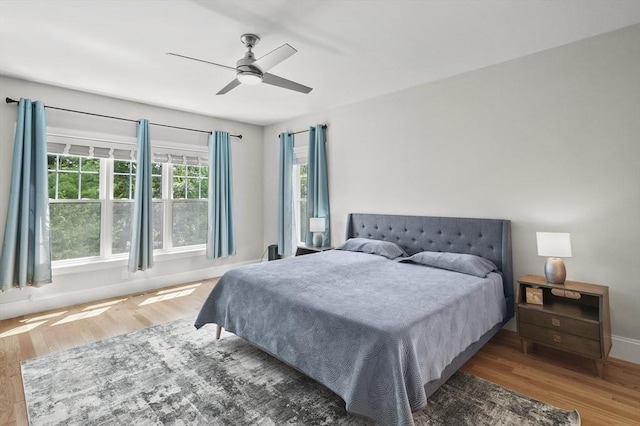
200 60
274 57
274 80
225 89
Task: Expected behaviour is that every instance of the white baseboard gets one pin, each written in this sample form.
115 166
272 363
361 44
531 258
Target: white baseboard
625 349
131 286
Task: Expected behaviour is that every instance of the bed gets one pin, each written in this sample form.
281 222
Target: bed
382 331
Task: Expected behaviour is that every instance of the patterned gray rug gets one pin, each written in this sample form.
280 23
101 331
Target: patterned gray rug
174 374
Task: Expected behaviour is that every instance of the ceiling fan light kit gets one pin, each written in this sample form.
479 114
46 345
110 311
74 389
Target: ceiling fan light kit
249 77
250 70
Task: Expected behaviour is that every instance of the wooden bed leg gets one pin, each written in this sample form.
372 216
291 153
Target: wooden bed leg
218 331
599 367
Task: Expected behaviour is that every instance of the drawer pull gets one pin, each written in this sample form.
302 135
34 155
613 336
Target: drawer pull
557 338
555 321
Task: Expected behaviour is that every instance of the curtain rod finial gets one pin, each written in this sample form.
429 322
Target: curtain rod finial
10 101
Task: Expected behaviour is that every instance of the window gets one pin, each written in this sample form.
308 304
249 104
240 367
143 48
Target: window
124 184
75 208
189 205
91 202
300 152
300 199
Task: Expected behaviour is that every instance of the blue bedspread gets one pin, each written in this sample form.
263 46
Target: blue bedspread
372 330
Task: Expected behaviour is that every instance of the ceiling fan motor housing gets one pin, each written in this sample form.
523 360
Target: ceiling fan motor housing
247 72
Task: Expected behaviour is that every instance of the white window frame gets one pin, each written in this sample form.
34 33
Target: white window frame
174 152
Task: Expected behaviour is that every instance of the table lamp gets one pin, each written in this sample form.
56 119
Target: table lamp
554 245
317 225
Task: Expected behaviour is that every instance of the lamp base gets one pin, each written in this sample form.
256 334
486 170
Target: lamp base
317 239
554 270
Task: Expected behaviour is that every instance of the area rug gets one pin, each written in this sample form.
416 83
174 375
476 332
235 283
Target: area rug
172 374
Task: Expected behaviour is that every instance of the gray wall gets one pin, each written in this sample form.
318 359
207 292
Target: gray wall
550 141
91 282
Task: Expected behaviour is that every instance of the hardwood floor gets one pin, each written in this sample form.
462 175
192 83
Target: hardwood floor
545 374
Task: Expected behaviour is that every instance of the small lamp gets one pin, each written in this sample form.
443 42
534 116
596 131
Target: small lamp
317 225
554 245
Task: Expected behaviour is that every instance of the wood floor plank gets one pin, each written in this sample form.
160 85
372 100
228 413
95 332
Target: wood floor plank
545 374
599 401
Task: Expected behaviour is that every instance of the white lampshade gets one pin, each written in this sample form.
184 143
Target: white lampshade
317 224
554 244
248 77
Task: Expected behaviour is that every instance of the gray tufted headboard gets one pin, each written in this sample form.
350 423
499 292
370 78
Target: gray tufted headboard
488 238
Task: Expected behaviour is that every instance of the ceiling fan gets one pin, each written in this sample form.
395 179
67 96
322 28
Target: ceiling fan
250 70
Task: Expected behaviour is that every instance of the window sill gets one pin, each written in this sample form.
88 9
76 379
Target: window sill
64 267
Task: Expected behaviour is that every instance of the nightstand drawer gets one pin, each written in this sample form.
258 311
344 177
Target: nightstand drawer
586 347
577 327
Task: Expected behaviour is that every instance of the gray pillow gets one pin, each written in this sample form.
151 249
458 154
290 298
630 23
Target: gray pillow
381 248
464 263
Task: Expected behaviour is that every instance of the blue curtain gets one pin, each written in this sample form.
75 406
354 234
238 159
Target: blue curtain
317 183
141 251
285 195
220 233
26 248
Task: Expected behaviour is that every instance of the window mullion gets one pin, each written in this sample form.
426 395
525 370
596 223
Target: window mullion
79 178
167 185
57 175
106 192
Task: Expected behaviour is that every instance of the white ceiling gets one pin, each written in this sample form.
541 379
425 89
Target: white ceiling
347 50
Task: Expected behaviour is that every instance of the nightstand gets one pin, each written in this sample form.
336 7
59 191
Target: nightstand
573 317
306 249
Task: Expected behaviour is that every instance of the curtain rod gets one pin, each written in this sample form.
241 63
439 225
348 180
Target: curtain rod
13 101
324 126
